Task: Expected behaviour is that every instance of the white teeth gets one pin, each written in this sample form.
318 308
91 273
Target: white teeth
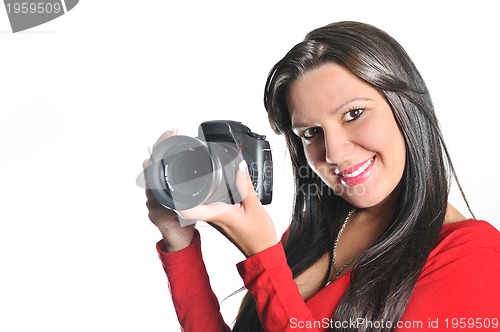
359 170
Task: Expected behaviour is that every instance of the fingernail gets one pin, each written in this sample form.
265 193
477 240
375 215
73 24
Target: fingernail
243 167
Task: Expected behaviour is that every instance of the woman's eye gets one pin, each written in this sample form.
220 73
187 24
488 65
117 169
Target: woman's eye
353 114
310 133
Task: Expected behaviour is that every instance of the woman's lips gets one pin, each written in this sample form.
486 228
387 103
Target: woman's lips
358 173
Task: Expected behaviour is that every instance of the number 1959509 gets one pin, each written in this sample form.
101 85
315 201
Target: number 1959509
33 8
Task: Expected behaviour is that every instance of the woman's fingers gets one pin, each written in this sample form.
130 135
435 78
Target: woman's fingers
219 212
165 135
213 212
247 225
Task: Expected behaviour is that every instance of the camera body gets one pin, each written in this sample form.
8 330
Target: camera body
184 172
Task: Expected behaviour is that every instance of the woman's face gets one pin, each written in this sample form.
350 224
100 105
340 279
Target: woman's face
350 137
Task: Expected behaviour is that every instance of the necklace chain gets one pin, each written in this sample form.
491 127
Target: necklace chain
338 271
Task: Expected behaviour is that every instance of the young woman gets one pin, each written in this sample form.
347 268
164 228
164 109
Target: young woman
373 244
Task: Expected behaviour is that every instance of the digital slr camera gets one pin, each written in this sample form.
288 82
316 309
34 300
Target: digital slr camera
184 172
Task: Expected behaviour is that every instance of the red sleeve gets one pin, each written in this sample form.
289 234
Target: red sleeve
459 288
279 304
195 303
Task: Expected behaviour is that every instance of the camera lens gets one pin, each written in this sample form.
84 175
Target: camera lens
180 172
184 172
189 172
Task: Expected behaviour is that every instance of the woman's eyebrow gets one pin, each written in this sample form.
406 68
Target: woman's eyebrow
351 101
337 109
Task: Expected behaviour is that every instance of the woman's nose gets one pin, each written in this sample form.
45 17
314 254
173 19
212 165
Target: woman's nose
338 148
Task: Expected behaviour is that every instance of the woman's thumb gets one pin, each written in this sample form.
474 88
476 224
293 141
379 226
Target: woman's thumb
244 183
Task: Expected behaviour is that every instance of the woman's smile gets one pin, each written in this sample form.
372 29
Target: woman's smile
357 174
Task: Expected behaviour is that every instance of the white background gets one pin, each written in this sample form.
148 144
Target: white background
84 96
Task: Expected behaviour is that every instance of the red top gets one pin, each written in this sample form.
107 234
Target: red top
458 289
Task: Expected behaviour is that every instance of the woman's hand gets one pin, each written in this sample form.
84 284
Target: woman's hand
247 224
175 236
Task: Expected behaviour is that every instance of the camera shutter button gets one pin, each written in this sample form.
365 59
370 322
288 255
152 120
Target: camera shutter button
257 136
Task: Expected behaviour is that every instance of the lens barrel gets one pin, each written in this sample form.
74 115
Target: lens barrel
184 172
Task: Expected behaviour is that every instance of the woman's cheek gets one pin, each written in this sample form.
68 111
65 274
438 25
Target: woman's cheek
313 158
315 150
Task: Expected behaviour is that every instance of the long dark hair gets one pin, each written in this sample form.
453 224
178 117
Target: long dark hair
385 274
